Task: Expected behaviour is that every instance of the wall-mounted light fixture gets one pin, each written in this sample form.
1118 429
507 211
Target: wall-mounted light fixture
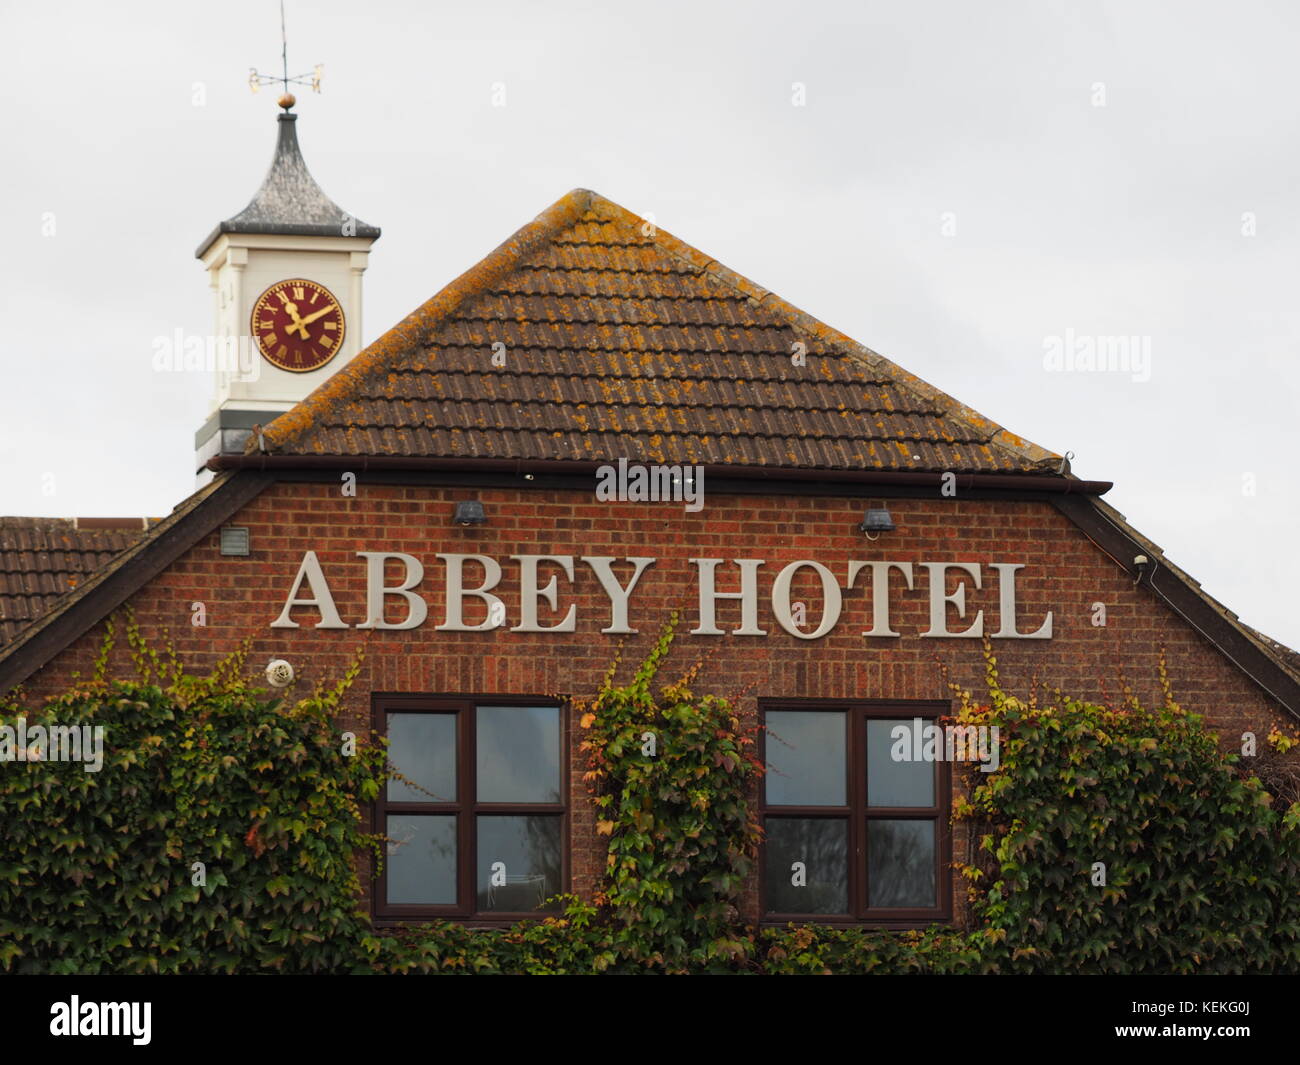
876 521
470 512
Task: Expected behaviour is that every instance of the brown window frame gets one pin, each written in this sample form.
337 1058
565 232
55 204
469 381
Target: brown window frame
857 712
466 808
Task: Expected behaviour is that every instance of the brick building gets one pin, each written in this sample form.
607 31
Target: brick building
838 530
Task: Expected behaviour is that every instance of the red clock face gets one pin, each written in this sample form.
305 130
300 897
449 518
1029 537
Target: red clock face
298 324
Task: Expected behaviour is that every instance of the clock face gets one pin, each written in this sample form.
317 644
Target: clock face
298 325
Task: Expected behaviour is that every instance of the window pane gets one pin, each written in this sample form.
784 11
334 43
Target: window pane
423 748
821 846
805 757
422 859
901 782
900 863
518 862
518 753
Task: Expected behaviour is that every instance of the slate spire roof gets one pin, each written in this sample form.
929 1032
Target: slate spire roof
289 201
615 339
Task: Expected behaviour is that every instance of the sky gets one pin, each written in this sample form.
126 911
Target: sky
980 192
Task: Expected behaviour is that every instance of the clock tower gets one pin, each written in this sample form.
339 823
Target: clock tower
285 274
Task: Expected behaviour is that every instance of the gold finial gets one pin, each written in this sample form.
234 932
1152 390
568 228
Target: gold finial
287 100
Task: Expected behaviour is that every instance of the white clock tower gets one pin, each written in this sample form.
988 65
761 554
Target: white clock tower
285 274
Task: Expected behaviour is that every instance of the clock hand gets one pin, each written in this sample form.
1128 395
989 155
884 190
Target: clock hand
292 310
312 317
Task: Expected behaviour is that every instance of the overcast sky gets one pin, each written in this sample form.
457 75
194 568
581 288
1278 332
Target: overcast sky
962 184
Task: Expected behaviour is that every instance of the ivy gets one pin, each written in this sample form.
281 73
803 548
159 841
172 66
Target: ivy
218 836
1110 840
671 774
1125 840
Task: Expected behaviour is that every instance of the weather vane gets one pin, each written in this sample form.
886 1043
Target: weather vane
256 80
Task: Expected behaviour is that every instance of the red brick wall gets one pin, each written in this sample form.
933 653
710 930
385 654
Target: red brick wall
1064 573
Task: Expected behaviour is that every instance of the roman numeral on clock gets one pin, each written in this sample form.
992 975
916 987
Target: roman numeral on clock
303 331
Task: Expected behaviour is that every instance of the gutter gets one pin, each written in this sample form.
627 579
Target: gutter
1047 483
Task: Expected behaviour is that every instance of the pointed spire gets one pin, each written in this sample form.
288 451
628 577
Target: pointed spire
289 201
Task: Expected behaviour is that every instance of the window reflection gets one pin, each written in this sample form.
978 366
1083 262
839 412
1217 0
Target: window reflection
518 757
891 782
421 862
422 747
518 862
873 851
805 757
821 846
900 863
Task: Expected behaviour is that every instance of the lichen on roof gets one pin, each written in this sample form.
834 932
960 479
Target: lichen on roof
589 332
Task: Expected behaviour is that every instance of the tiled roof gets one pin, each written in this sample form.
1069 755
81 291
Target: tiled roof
42 559
619 340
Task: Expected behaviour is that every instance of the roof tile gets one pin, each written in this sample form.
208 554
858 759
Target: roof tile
43 559
622 341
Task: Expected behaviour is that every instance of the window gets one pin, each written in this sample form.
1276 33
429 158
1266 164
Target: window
852 835
476 822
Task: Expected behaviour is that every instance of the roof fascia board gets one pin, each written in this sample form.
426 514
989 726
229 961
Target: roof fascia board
1181 594
773 475
720 483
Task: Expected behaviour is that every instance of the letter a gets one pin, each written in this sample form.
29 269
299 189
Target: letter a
321 598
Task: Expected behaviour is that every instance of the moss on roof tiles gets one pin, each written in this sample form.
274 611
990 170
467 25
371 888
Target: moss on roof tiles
714 348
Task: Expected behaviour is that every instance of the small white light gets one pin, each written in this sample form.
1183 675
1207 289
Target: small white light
279 673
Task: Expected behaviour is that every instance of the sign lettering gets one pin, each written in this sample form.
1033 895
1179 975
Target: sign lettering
545 601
